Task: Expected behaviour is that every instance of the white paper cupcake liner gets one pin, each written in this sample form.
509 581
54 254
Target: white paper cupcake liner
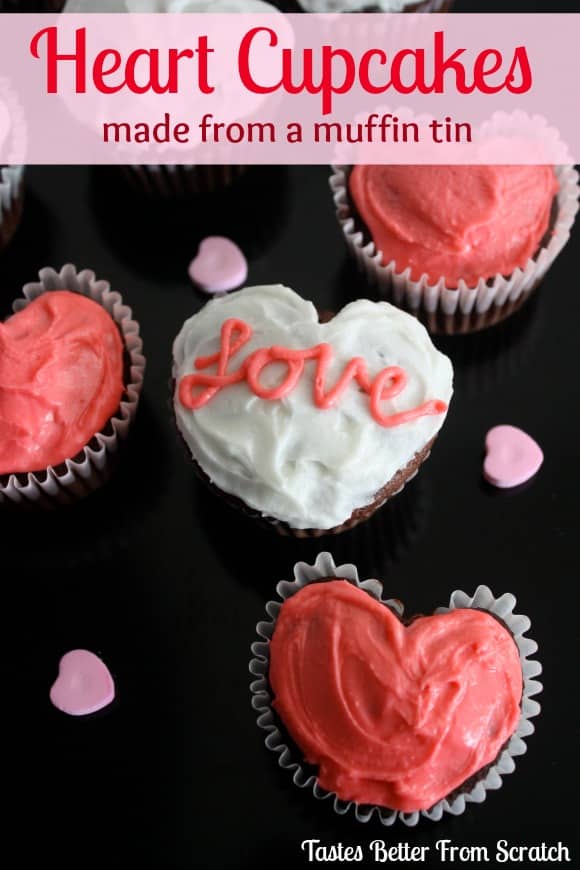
425 6
490 300
334 6
483 599
177 181
79 476
11 198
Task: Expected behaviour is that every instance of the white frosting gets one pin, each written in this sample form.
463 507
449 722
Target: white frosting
288 459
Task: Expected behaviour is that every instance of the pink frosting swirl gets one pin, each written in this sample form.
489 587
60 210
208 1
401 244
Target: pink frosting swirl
61 380
392 716
455 222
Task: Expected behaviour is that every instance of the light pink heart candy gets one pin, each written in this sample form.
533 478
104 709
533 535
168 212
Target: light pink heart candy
219 266
84 684
513 457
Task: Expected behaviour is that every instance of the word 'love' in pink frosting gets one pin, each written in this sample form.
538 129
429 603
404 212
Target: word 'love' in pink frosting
387 384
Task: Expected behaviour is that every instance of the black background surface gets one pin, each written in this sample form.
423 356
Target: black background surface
166 583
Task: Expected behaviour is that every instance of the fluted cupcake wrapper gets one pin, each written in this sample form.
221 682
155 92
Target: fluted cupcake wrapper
432 6
179 181
464 308
423 6
288 756
390 7
77 477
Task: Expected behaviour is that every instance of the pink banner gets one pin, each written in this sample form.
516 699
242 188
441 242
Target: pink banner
231 88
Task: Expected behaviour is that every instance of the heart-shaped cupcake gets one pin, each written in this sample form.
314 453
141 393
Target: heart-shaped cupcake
310 424
393 715
459 223
61 380
399 718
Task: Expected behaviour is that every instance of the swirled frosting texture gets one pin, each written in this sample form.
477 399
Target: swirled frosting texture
61 380
455 222
288 459
393 716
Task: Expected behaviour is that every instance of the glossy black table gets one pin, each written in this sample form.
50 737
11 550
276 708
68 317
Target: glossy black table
167 583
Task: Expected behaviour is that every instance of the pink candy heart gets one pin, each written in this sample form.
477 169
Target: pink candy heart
219 266
84 684
513 457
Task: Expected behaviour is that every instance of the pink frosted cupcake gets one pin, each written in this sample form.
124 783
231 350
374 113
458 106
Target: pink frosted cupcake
462 246
71 373
386 716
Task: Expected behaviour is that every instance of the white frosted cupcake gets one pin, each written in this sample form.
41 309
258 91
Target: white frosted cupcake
184 179
309 426
12 148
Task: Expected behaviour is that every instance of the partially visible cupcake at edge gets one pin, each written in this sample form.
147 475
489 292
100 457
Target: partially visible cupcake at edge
11 199
71 372
456 240
331 6
12 146
309 426
177 180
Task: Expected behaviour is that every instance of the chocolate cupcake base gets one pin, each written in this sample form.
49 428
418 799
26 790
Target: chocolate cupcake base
473 790
181 181
438 323
430 6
